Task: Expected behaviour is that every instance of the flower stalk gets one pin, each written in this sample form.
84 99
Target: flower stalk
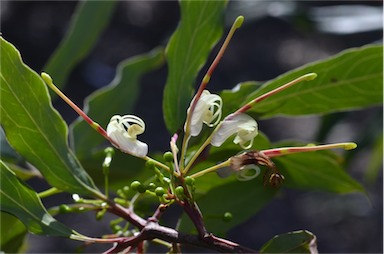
306 77
309 148
187 130
48 80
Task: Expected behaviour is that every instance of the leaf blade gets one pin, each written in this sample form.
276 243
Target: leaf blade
24 203
301 241
320 170
199 29
340 86
34 129
80 38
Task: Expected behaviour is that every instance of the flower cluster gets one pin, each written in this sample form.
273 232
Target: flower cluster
206 109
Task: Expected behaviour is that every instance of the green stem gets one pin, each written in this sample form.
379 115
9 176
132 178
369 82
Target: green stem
211 169
157 163
49 192
196 155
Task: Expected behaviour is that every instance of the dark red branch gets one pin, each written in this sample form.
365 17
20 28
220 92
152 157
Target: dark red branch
153 230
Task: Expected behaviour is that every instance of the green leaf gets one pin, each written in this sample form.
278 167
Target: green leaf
119 97
86 26
12 233
24 203
241 199
187 51
233 99
34 129
349 80
320 170
301 241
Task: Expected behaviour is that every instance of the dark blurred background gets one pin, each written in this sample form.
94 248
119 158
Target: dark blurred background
277 36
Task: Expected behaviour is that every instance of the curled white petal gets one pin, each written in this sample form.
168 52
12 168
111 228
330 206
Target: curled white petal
243 125
207 110
248 172
123 130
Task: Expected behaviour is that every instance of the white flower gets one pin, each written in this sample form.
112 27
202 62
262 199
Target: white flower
123 131
207 110
243 125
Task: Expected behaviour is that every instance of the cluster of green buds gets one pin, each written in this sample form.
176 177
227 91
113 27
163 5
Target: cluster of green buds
204 109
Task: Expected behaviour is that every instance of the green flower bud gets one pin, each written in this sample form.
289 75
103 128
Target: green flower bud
150 164
121 193
189 181
121 201
100 214
135 185
227 217
179 191
168 156
160 191
64 209
151 186
116 228
126 190
109 150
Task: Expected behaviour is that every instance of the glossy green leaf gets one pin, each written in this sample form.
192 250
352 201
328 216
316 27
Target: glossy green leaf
119 97
233 99
200 28
241 199
87 24
24 203
349 80
320 170
12 233
301 241
34 129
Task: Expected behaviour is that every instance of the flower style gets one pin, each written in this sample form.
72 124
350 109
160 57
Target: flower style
207 110
123 131
242 124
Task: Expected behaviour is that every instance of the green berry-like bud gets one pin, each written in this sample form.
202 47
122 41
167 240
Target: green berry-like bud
189 180
120 193
151 186
64 209
150 164
100 214
126 190
135 185
121 201
160 191
179 190
168 156
109 151
227 217
116 228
